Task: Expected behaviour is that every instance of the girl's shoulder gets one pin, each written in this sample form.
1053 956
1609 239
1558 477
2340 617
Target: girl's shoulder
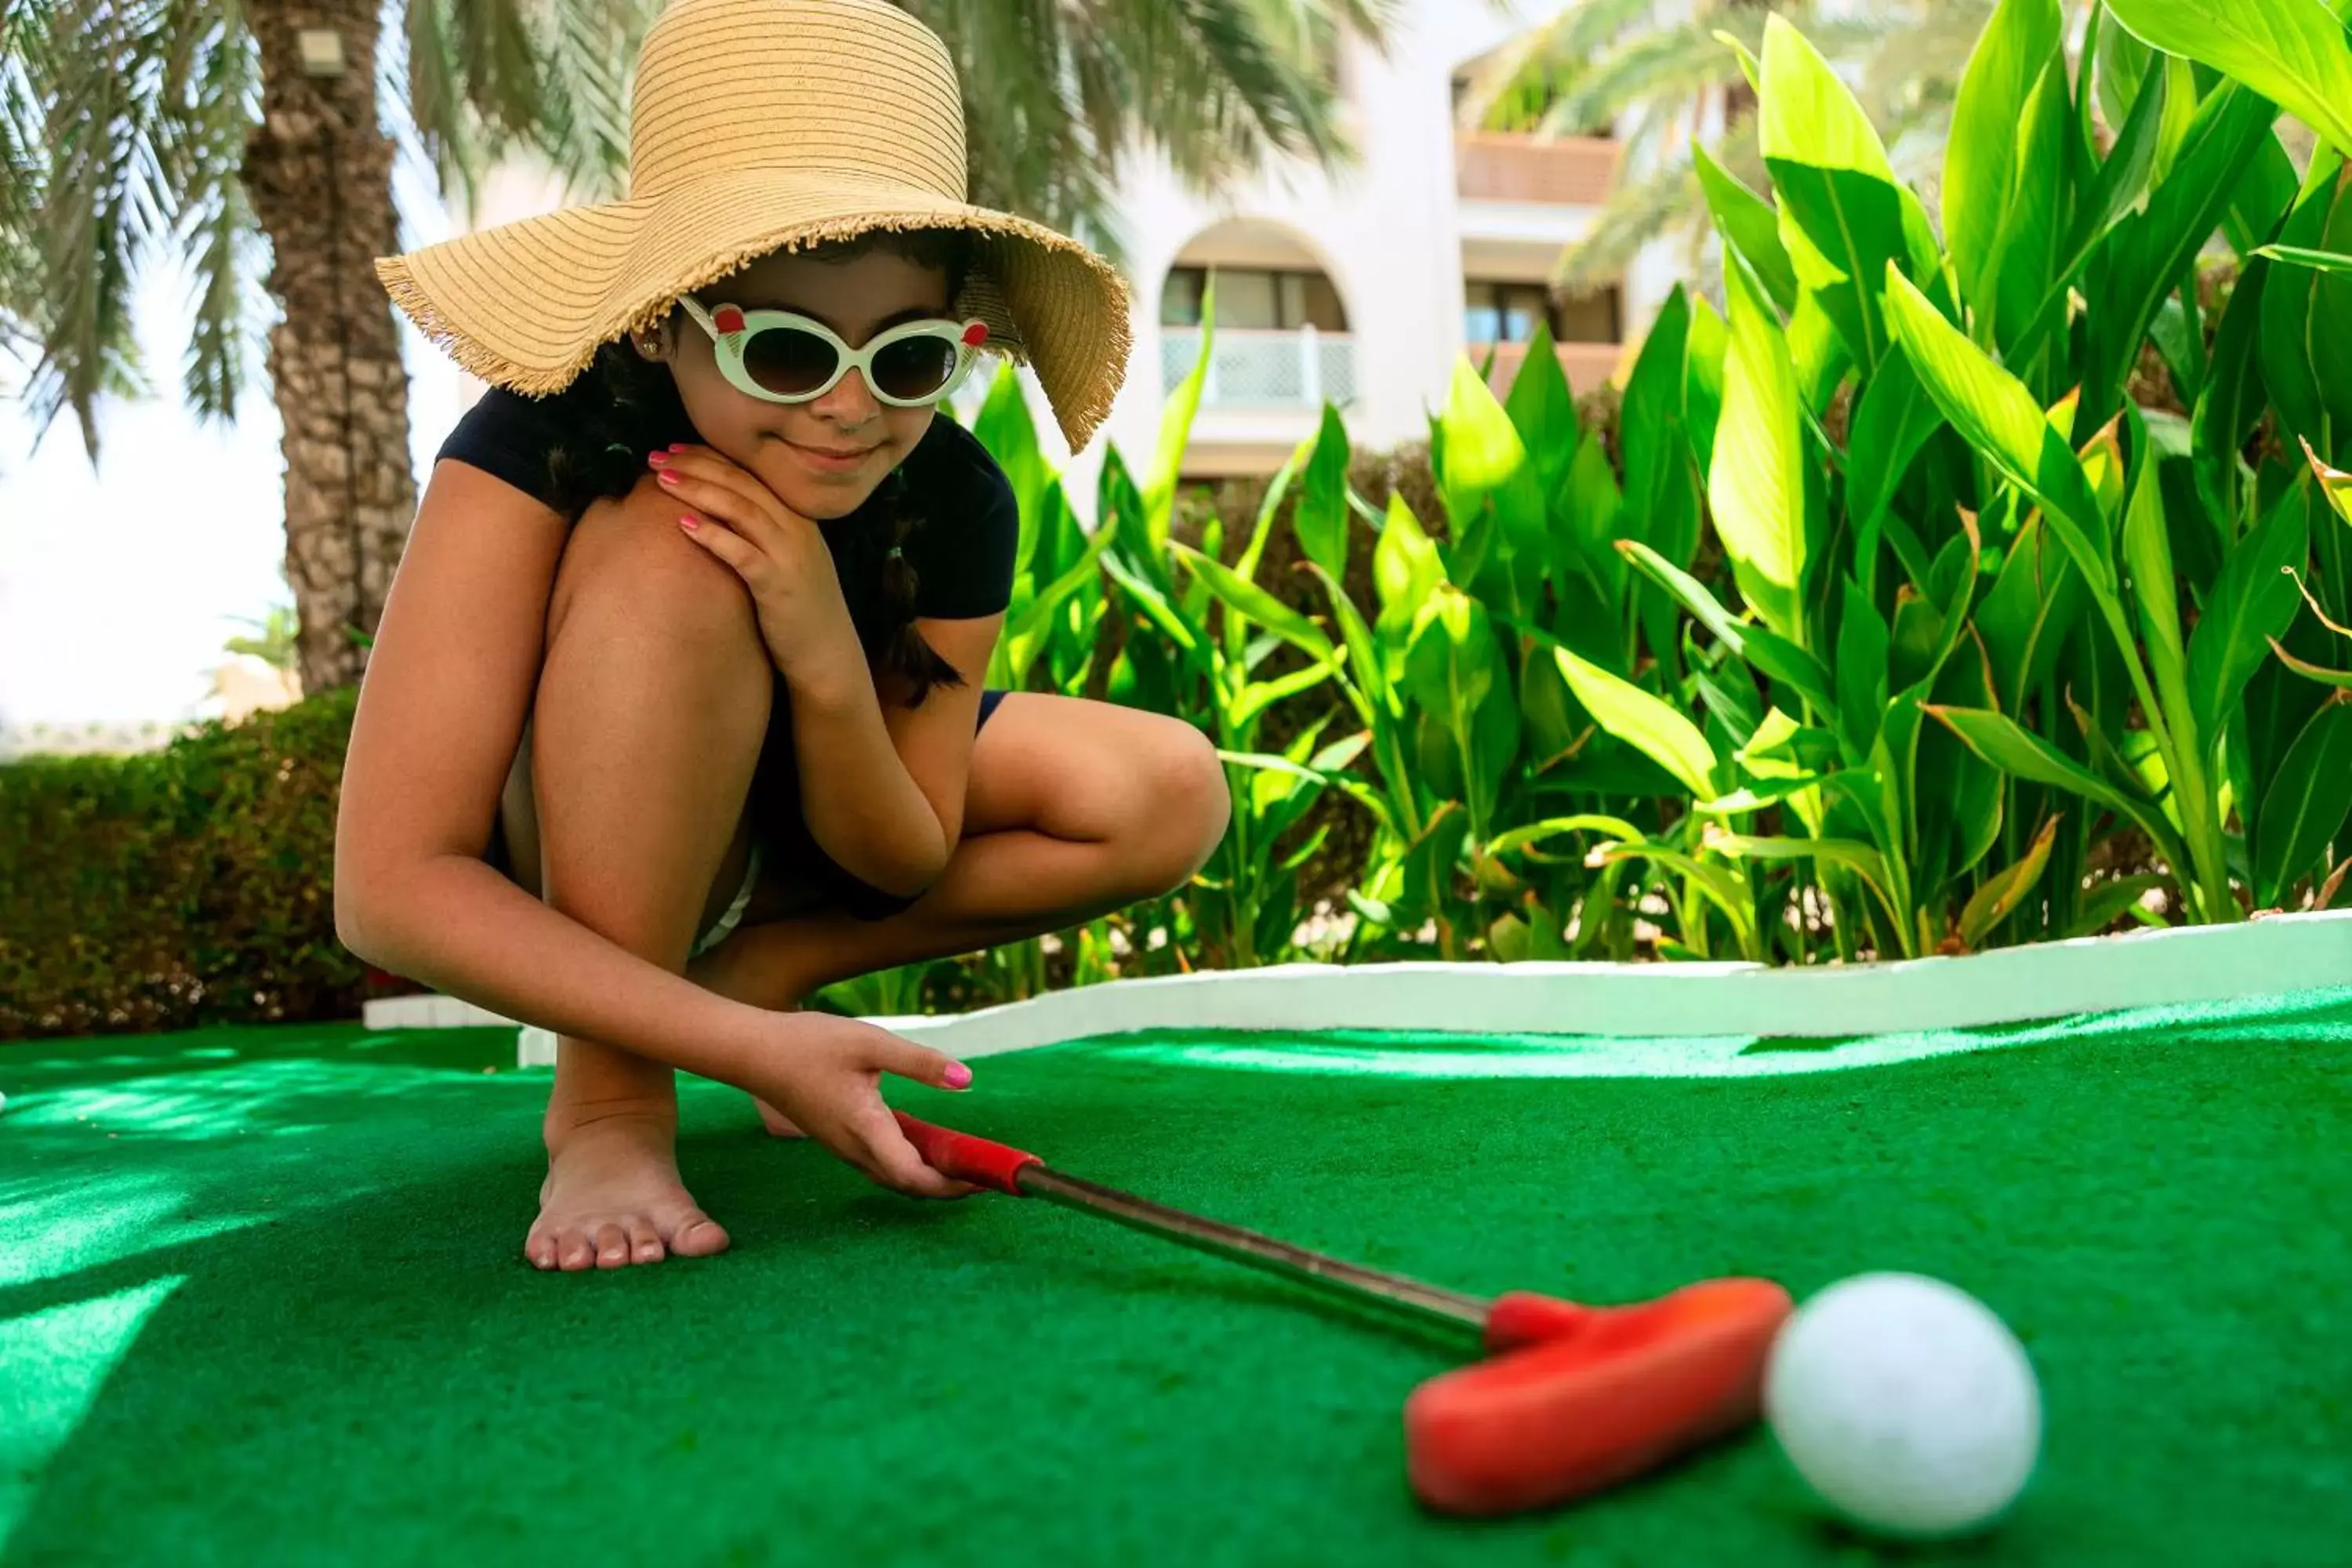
518 438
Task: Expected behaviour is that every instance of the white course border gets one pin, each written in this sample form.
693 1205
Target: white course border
2175 967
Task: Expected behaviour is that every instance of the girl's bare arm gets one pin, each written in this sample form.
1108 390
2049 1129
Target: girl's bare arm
441 712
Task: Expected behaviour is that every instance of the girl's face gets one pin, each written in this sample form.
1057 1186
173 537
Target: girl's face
825 456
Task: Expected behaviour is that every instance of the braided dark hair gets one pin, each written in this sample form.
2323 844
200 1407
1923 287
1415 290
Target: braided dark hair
612 412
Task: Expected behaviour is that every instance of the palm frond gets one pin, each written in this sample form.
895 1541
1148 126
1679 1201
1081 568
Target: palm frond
587 50
109 201
217 228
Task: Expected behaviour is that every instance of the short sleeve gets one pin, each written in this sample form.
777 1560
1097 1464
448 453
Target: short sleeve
963 551
509 438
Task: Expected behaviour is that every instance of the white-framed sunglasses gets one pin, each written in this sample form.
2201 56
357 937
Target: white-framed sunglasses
779 356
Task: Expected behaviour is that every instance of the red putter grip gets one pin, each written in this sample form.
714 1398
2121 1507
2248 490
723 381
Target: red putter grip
966 1158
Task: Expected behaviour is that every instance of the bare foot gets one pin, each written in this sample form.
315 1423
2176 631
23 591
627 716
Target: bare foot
778 1124
613 1196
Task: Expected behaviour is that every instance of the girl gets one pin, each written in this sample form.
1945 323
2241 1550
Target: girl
674 714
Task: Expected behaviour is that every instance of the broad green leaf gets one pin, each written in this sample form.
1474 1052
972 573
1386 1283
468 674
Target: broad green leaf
1405 567
1119 507
1454 660
1861 859
1005 428
1749 227
2000 894
2230 404
1772 656
2156 593
1248 600
1543 412
2121 184
2286 350
1276 489
1837 190
2145 257
2026 617
2019 753
1176 429
1998 169
1710 346
1025 635
1586 522
2251 603
1260 695
1321 519
1657 729
2292 52
1891 423
1959 801
1493 497
2303 255
2331 319
1661 497
1861 670
1535 833
2001 419
1756 485
2304 809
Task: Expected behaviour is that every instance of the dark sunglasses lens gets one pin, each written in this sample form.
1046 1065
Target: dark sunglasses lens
914 368
788 362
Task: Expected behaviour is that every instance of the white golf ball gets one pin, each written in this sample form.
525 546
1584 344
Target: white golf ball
1906 1403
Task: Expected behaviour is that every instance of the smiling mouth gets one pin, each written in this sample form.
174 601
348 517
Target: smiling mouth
833 454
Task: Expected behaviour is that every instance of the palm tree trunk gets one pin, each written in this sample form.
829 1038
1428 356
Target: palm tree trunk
319 172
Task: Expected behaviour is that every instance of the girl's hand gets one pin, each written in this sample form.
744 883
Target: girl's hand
779 554
826 1074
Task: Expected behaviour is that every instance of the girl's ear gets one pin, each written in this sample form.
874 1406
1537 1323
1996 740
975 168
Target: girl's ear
655 344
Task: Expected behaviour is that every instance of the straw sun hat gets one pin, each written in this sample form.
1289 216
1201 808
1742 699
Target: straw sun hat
757 126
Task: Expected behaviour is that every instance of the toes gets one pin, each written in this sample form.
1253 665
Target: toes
540 1248
645 1242
612 1247
574 1252
693 1234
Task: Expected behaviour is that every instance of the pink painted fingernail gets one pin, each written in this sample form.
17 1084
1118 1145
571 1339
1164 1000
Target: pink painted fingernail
958 1076
678 445
689 524
657 458
665 478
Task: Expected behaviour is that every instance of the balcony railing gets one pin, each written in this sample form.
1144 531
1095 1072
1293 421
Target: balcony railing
1560 171
1259 369
1586 365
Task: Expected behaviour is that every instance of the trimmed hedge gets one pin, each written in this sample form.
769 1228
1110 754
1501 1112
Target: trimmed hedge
187 886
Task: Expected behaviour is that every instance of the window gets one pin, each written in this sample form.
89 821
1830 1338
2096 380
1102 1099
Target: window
1508 312
1253 299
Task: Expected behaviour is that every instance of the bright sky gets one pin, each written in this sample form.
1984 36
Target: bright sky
119 586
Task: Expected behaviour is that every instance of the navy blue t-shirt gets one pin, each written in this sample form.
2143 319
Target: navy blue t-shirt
961 544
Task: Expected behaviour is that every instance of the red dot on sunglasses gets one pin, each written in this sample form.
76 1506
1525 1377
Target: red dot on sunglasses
975 334
728 320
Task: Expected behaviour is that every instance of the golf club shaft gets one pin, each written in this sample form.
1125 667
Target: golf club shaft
1263 1252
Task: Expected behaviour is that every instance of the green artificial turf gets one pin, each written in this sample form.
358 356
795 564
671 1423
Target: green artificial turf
261 1300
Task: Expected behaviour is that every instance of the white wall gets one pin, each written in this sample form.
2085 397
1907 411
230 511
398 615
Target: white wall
1386 229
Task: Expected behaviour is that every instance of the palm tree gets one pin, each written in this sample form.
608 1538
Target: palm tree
255 140
1615 64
